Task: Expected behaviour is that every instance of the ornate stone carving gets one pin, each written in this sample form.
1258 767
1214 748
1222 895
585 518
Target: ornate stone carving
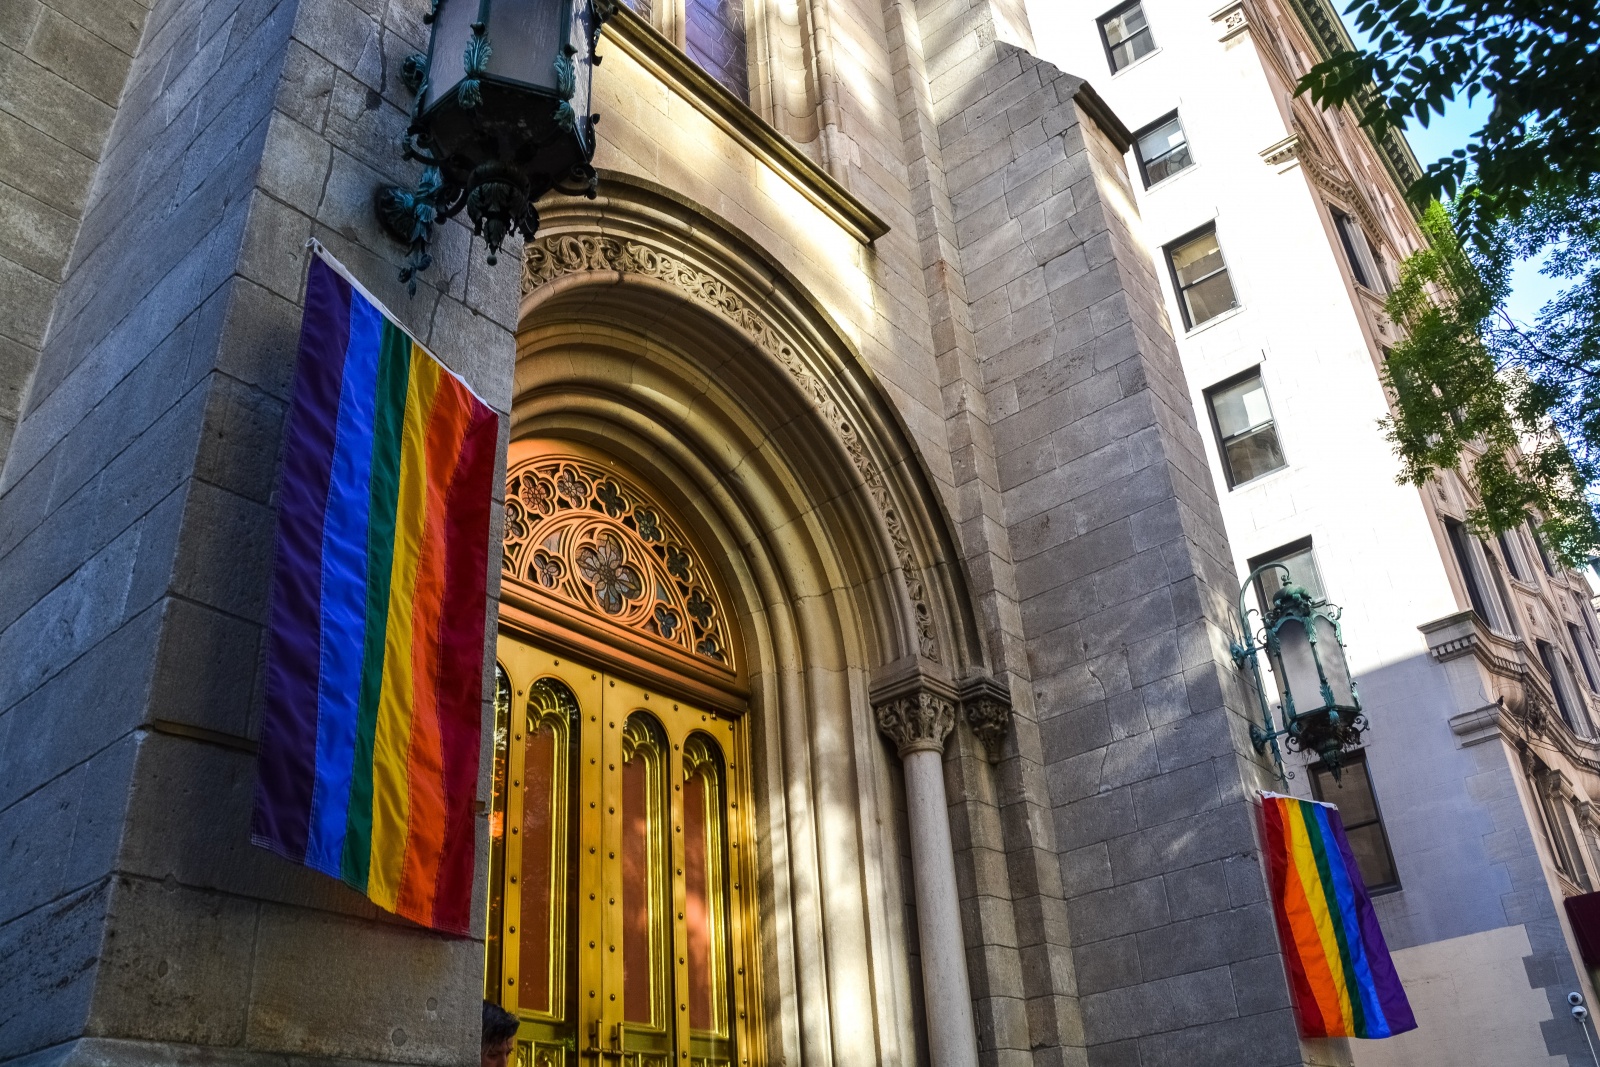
1232 19
987 706
583 534
1282 153
917 722
553 256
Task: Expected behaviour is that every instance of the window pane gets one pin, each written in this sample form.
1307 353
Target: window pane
1166 166
1164 151
1302 569
1352 793
1241 407
1127 36
1372 857
1254 454
1124 24
1161 140
1195 259
1209 299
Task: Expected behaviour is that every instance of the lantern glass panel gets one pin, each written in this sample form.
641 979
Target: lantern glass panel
526 37
452 32
1296 668
1334 666
578 37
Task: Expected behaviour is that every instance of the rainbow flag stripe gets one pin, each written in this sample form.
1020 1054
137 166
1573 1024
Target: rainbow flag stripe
368 761
1343 981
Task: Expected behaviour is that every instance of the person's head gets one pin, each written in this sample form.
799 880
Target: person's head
499 1035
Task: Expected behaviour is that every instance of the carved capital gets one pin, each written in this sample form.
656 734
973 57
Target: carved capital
917 722
987 705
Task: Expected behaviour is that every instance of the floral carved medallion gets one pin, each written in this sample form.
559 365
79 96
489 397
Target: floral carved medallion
579 532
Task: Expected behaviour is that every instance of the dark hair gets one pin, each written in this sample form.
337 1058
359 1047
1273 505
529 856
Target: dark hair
498 1024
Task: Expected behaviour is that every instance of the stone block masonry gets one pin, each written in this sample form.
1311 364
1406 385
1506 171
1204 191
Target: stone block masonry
63 64
136 520
1116 581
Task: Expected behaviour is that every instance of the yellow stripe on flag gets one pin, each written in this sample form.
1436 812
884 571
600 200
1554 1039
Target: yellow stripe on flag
392 743
1305 862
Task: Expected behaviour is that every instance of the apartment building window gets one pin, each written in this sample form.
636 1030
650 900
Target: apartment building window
1163 149
1200 276
1302 566
1126 35
1508 609
1568 703
1473 562
1585 653
1544 550
1514 561
1363 822
1358 252
1246 435
1556 821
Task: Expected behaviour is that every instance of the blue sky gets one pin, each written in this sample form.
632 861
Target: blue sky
1529 289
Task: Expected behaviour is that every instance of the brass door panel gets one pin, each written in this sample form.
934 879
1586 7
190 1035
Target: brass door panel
622 918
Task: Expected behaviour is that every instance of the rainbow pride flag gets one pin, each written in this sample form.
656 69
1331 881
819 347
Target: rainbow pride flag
368 761
1343 981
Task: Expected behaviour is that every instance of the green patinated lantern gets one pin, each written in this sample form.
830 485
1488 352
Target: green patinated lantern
501 117
1317 696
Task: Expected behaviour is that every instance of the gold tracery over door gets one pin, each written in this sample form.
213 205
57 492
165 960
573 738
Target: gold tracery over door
622 911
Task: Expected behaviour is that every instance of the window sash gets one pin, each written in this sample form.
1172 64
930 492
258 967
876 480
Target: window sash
1127 37
1205 290
1162 150
1247 451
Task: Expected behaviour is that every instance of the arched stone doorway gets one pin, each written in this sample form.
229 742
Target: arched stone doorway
656 339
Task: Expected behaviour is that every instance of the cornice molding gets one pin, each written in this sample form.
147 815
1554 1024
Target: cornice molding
647 47
1328 37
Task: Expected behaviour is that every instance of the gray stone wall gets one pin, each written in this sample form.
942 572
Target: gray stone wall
135 527
1091 522
63 64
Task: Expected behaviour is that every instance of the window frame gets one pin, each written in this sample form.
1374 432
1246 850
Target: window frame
1360 756
1585 654
1105 38
1349 228
1516 564
1569 702
1276 555
1550 567
1222 442
1151 127
1178 288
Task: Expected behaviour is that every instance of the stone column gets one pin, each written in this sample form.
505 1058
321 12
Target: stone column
918 723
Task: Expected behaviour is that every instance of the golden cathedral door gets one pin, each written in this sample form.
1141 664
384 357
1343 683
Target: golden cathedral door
622 928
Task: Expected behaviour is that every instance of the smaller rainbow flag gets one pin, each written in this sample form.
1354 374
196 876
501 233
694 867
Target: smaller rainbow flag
1340 973
368 761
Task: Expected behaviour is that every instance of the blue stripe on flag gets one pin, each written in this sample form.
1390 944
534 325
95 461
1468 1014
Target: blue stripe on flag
344 589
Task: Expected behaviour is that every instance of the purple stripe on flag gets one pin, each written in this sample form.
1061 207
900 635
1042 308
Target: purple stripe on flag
288 751
1391 994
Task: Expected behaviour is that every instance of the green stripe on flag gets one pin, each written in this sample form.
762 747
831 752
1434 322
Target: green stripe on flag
394 375
1330 892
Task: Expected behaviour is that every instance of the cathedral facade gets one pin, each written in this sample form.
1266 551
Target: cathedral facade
858 665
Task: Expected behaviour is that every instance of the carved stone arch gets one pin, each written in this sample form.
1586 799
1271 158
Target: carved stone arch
648 238
659 340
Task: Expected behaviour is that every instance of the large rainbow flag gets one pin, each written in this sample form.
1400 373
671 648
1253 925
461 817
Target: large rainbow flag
1343 981
368 763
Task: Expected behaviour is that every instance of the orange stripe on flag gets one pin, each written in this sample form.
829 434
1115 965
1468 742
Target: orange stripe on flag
447 427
